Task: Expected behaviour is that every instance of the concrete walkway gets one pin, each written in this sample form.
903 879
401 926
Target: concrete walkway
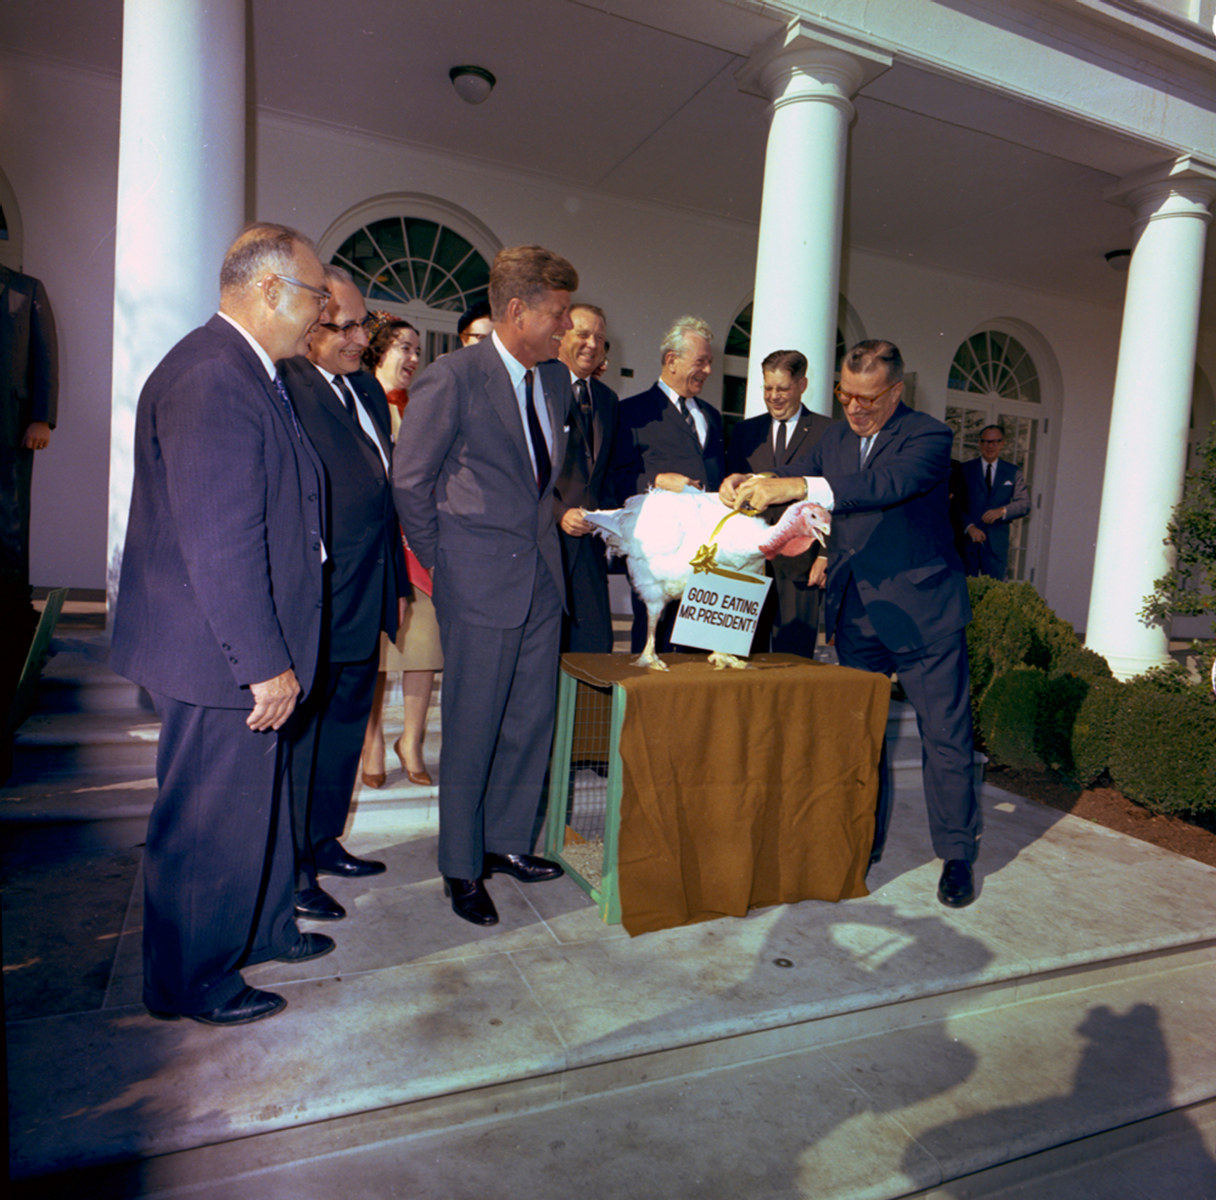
1054 1039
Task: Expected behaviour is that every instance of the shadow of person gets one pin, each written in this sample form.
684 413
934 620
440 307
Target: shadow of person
1122 1075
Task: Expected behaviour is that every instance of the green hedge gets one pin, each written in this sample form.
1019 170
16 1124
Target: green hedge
1040 698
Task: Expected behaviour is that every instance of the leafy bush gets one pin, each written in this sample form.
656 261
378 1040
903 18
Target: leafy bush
1092 731
1009 717
1163 748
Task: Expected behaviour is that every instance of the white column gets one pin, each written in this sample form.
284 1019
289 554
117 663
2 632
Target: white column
181 199
1146 447
809 76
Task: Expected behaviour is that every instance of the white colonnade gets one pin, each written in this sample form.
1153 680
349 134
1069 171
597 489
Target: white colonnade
181 199
1146 446
809 77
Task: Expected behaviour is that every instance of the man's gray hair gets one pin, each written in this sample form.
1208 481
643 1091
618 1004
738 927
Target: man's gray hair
674 340
261 248
337 274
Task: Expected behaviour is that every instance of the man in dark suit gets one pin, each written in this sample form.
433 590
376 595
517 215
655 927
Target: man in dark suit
345 414
29 396
789 621
896 596
219 617
585 482
472 475
995 496
670 439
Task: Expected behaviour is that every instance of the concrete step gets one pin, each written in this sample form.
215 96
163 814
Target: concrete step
965 1103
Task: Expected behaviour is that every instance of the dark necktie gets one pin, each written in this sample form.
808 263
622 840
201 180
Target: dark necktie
582 395
281 388
348 401
988 474
683 405
779 449
540 450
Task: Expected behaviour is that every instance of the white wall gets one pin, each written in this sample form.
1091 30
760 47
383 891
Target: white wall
59 149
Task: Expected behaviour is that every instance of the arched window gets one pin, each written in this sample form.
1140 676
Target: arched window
417 258
994 381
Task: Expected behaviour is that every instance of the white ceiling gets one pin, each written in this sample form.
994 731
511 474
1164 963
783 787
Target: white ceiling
638 98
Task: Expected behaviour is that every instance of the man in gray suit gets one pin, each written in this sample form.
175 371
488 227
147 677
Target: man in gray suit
484 431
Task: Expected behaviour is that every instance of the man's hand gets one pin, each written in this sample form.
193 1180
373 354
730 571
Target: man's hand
819 571
273 701
574 522
37 436
757 492
992 516
673 481
976 534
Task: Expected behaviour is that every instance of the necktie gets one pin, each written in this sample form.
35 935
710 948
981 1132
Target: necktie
281 388
540 450
988 473
779 449
348 401
865 450
682 404
583 397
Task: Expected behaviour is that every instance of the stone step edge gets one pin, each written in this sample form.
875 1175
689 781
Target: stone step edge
529 1096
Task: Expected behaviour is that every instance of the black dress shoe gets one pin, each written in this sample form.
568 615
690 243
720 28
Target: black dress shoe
332 859
310 945
957 886
251 1004
471 900
318 905
527 868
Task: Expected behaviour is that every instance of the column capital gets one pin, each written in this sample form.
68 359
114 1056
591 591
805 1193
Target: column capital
804 62
1181 187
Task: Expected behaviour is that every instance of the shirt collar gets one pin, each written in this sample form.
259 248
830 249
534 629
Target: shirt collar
263 357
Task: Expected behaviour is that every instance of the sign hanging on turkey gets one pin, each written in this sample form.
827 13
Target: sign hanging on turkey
720 609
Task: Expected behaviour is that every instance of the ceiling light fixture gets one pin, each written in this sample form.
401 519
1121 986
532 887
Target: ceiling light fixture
1118 260
472 84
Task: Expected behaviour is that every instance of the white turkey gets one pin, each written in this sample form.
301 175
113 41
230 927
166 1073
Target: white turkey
660 533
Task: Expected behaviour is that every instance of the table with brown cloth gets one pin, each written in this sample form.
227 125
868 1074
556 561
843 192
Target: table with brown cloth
741 789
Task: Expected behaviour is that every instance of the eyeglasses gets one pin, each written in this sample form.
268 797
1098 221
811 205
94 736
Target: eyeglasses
847 398
991 441
323 297
345 330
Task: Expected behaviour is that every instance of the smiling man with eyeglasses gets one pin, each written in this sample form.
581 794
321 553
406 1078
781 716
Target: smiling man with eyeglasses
344 412
896 597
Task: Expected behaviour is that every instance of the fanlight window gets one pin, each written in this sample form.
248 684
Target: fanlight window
993 363
739 339
400 259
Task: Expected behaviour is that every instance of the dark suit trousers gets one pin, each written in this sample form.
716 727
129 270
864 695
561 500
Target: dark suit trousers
937 681
325 747
218 861
587 627
791 615
981 559
498 703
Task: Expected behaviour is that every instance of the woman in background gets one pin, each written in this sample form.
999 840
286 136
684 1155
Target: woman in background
392 355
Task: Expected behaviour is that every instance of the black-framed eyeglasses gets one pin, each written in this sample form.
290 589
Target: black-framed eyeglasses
348 327
847 398
323 297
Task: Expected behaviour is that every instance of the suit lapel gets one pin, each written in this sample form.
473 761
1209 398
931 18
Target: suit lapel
886 435
500 397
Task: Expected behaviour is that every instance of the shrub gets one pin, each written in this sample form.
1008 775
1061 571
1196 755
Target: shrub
1163 749
1009 717
1093 730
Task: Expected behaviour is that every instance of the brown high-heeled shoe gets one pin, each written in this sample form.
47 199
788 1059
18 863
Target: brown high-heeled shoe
372 779
419 778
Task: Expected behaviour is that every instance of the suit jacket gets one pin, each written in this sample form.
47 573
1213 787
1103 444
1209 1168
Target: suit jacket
891 529
654 438
586 481
221 577
465 487
751 452
1008 491
29 361
365 571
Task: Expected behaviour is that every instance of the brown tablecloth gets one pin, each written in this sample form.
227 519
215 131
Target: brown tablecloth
741 789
